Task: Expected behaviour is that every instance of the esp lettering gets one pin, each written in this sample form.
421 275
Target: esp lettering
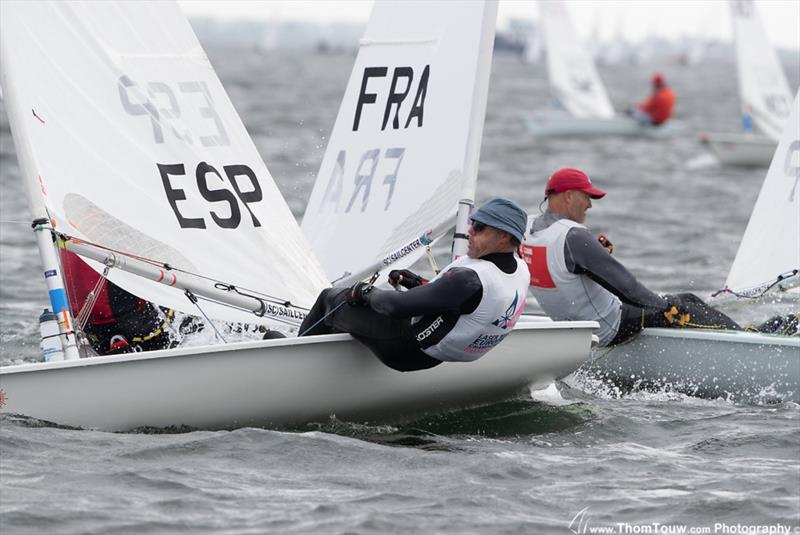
226 212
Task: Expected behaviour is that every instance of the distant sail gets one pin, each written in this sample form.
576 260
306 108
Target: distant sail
572 74
771 243
406 141
127 137
764 91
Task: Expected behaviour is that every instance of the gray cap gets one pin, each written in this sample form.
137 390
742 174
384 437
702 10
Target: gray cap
503 214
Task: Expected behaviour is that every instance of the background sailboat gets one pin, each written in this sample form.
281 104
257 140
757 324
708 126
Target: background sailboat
764 93
127 140
583 106
736 365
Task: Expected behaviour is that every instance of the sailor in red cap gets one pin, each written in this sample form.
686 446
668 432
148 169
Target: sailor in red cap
657 109
574 277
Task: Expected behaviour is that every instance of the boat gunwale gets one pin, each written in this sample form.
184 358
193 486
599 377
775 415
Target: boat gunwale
245 345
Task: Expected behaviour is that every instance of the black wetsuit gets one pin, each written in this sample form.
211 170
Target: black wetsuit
384 324
584 255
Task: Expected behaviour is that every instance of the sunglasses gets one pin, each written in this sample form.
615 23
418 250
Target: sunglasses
477 226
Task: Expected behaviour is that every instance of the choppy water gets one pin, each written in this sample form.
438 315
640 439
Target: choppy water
524 466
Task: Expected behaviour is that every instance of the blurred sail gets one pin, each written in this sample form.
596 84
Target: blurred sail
127 137
771 243
573 77
764 90
406 141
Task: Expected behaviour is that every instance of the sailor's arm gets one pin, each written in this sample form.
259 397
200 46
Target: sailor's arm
459 289
585 255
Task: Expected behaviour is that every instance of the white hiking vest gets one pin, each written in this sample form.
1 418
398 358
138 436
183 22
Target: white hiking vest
501 305
564 295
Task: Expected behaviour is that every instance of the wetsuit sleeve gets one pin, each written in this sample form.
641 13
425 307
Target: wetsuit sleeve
585 255
459 289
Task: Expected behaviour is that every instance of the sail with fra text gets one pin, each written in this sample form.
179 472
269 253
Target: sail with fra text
407 137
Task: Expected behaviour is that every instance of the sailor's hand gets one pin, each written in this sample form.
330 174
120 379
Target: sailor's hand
405 278
676 316
605 242
357 295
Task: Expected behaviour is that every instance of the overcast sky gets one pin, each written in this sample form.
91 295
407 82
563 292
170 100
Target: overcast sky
634 19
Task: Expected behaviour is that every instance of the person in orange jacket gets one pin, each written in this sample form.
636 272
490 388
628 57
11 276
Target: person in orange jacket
117 322
657 109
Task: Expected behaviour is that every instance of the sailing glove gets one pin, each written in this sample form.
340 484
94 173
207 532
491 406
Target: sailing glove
405 278
605 242
357 295
677 317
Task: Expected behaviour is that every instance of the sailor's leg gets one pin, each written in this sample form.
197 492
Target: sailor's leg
315 322
786 325
630 324
702 316
399 353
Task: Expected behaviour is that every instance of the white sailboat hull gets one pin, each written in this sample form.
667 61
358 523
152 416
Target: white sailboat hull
735 365
747 150
559 123
285 381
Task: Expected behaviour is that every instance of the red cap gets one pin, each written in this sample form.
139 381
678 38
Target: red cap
568 179
658 79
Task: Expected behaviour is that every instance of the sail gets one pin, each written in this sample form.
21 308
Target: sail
771 243
127 138
764 91
405 145
534 45
573 77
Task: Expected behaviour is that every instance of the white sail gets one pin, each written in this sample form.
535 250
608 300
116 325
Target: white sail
764 91
405 145
127 137
572 74
771 243
534 45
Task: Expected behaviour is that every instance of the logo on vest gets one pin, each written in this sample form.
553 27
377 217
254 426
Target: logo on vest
511 315
485 342
430 329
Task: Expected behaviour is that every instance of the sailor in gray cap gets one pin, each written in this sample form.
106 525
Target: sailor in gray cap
459 315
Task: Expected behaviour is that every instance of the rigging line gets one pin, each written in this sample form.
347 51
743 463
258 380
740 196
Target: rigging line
26 223
226 286
90 301
193 299
337 307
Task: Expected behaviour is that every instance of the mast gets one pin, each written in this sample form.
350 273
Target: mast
36 192
478 116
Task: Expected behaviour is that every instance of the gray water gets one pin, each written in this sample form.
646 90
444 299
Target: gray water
657 462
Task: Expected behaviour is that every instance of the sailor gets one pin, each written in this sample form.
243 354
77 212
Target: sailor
458 316
573 275
118 322
657 109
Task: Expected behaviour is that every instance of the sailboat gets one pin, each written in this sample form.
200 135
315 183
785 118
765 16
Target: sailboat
735 365
134 157
764 94
582 104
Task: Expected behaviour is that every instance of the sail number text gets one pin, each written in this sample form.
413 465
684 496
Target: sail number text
246 190
158 104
